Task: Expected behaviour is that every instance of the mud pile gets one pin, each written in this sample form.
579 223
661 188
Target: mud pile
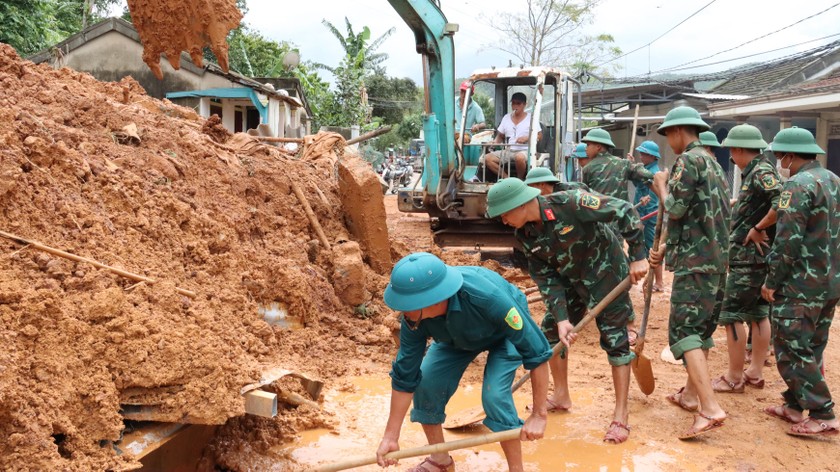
169 27
218 219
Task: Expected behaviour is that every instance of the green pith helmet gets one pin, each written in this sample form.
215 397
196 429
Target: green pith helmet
795 140
599 136
540 174
580 151
707 138
507 194
745 136
649 148
420 280
683 116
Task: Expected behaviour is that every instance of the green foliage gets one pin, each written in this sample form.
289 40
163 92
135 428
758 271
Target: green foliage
32 25
390 97
487 107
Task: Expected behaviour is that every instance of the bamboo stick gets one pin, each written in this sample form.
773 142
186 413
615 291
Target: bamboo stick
272 139
369 135
311 215
425 450
99 265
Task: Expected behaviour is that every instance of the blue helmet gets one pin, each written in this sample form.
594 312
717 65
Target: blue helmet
420 280
649 147
580 151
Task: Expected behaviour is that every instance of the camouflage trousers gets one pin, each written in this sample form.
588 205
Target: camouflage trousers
800 334
742 302
696 300
612 322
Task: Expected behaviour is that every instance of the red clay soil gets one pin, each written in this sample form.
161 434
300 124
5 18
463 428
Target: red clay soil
218 220
169 27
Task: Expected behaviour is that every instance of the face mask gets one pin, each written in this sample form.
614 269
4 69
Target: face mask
784 173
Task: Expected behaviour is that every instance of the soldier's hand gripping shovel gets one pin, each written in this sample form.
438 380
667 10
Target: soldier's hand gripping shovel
476 414
642 369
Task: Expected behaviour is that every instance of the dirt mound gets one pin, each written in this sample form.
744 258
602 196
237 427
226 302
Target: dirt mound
174 205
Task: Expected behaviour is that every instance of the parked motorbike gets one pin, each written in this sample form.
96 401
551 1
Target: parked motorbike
398 175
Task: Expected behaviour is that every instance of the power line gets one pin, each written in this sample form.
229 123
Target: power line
658 37
747 42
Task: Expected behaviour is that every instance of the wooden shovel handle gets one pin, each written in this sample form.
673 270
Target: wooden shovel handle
660 233
425 450
99 265
623 286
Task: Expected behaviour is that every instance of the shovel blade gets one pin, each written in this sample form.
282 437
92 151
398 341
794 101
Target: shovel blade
643 371
464 418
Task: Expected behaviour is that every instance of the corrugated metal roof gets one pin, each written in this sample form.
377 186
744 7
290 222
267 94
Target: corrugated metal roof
716 96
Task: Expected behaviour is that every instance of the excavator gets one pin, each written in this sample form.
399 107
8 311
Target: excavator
446 190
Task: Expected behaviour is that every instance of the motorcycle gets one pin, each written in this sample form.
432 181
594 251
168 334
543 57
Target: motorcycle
398 175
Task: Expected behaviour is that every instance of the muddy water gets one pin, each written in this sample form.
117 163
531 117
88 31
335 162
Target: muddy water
572 441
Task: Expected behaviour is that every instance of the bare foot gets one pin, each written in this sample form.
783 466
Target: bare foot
704 423
784 413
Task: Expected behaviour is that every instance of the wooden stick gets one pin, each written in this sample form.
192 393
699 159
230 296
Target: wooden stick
311 215
272 139
99 265
425 450
633 131
369 135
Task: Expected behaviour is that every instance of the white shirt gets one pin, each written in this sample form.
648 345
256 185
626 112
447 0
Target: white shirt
513 131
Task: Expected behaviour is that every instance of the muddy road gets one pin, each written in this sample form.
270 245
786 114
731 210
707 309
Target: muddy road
749 441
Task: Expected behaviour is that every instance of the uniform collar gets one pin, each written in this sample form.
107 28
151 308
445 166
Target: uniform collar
693 145
751 166
652 165
815 164
604 154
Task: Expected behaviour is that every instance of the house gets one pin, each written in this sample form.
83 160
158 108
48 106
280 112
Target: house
111 49
796 90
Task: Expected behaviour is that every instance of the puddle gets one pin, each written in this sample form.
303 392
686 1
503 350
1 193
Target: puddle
277 314
573 441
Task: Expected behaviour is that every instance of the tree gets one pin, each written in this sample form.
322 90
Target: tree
550 33
356 45
390 97
32 25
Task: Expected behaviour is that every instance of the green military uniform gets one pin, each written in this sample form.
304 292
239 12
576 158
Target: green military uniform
804 270
486 313
760 189
608 174
571 252
697 247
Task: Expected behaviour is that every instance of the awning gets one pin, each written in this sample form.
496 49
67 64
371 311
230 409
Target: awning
232 92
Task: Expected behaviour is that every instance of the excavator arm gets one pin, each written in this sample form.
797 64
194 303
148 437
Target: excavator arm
433 40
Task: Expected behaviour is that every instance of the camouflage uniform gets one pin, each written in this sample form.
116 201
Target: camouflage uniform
576 261
608 174
698 239
804 269
759 193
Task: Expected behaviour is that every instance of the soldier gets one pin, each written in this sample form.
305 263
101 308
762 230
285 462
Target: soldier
752 229
543 180
607 174
570 251
647 202
803 282
709 142
697 207
467 311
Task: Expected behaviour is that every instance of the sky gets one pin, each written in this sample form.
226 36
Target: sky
721 25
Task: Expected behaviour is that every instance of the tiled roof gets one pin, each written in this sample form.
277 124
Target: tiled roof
780 75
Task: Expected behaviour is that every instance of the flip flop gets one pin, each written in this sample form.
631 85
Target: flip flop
825 429
692 433
784 415
679 401
721 385
613 436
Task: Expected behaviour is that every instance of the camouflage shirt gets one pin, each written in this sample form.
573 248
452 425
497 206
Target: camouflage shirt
760 188
608 174
570 244
804 261
563 186
698 214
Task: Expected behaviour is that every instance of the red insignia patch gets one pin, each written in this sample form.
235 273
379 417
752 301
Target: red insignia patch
549 214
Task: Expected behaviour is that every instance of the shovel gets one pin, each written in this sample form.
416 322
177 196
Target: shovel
476 414
642 369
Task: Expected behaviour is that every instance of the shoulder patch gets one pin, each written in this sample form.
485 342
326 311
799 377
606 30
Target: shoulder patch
549 214
566 230
514 319
745 187
769 181
784 200
587 200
